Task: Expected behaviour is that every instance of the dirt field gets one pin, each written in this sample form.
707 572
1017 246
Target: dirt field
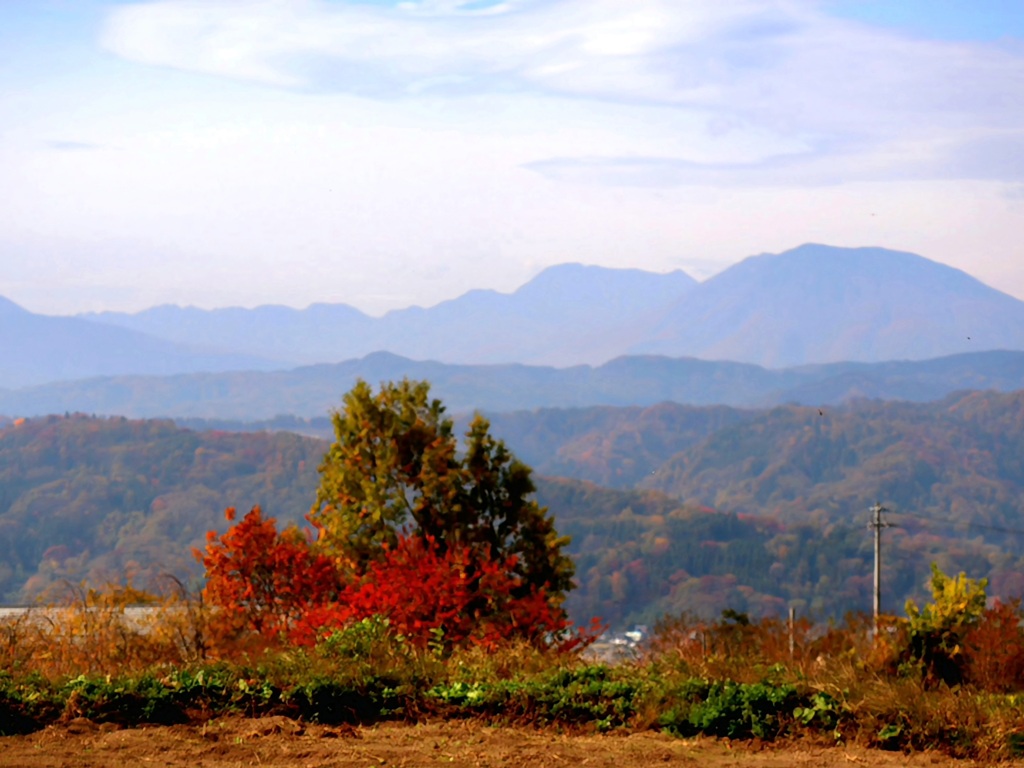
278 741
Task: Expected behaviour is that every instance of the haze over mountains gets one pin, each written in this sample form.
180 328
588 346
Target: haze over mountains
816 304
814 326
567 315
313 391
811 305
38 349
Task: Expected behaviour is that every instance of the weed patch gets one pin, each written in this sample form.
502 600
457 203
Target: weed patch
733 710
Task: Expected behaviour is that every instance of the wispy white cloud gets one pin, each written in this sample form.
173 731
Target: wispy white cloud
997 157
250 151
653 50
862 102
72 146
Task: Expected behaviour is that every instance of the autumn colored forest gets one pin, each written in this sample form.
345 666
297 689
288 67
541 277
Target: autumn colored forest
750 510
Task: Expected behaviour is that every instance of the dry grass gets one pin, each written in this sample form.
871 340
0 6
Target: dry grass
113 631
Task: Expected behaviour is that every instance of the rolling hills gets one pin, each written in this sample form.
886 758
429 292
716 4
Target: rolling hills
687 482
767 508
804 326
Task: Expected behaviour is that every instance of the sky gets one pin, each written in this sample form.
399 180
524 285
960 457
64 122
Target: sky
382 154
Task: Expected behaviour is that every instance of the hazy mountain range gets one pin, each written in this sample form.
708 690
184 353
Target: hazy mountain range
38 348
816 304
812 305
568 314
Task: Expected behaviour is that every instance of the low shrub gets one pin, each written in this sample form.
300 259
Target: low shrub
733 710
594 695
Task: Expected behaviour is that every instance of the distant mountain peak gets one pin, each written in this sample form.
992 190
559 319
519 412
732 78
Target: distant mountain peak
831 254
861 255
590 285
821 303
568 275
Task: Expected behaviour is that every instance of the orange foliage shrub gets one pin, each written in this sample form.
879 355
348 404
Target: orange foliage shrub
262 579
994 650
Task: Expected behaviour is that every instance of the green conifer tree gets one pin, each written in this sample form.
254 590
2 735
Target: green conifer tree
395 466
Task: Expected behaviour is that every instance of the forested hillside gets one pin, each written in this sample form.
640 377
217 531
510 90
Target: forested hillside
772 505
95 498
614 447
641 555
960 459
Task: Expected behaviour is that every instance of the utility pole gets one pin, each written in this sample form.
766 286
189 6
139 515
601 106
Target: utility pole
878 525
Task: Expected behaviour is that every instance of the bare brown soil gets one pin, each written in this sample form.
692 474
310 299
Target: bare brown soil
278 741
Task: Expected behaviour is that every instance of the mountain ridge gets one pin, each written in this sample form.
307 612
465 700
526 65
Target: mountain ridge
812 304
564 315
312 391
41 349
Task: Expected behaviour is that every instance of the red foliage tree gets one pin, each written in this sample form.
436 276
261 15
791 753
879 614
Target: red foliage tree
421 589
263 579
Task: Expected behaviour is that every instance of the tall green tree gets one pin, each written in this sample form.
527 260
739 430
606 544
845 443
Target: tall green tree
395 467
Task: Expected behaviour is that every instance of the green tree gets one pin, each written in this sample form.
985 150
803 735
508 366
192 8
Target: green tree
395 468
